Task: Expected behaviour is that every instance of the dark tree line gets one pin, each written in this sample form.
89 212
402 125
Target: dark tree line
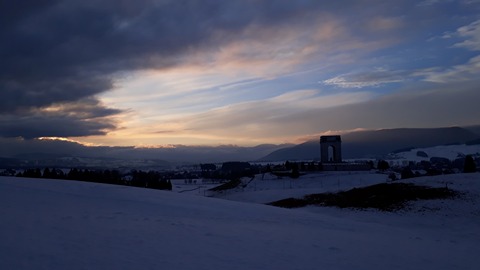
149 179
436 166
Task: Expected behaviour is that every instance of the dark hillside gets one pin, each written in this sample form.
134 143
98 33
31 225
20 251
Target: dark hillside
376 143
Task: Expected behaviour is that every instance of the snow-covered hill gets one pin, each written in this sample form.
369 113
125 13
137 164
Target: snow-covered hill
52 224
450 152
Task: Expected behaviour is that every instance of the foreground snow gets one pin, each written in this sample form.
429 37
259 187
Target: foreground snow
52 224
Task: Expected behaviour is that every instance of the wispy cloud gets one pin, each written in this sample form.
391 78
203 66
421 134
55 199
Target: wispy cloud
471 35
382 23
261 119
429 2
470 40
458 73
289 118
372 78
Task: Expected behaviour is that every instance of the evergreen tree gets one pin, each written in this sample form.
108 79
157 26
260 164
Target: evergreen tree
38 173
288 166
407 173
469 166
295 173
46 173
383 165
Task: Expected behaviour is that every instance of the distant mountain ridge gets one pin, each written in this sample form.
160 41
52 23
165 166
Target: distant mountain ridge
371 143
377 143
56 153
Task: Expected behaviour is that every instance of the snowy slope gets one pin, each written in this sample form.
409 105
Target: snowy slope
51 224
451 152
268 187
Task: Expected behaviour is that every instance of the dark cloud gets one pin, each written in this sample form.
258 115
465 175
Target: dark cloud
60 126
56 52
81 118
18 94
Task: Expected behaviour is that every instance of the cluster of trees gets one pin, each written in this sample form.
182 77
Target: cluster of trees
135 178
302 166
436 166
47 173
97 176
288 169
295 168
150 179
229 170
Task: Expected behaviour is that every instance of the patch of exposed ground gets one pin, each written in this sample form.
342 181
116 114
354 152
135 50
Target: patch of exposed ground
385 197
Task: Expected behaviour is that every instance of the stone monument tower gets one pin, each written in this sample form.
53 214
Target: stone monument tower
334 143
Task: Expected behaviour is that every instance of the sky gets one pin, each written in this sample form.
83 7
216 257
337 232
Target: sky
163 73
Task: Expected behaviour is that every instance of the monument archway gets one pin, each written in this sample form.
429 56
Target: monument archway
331 149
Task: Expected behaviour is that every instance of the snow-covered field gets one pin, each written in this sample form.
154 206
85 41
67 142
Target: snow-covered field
268 188
54 224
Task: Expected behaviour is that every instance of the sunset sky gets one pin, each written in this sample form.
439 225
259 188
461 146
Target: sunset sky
246 72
